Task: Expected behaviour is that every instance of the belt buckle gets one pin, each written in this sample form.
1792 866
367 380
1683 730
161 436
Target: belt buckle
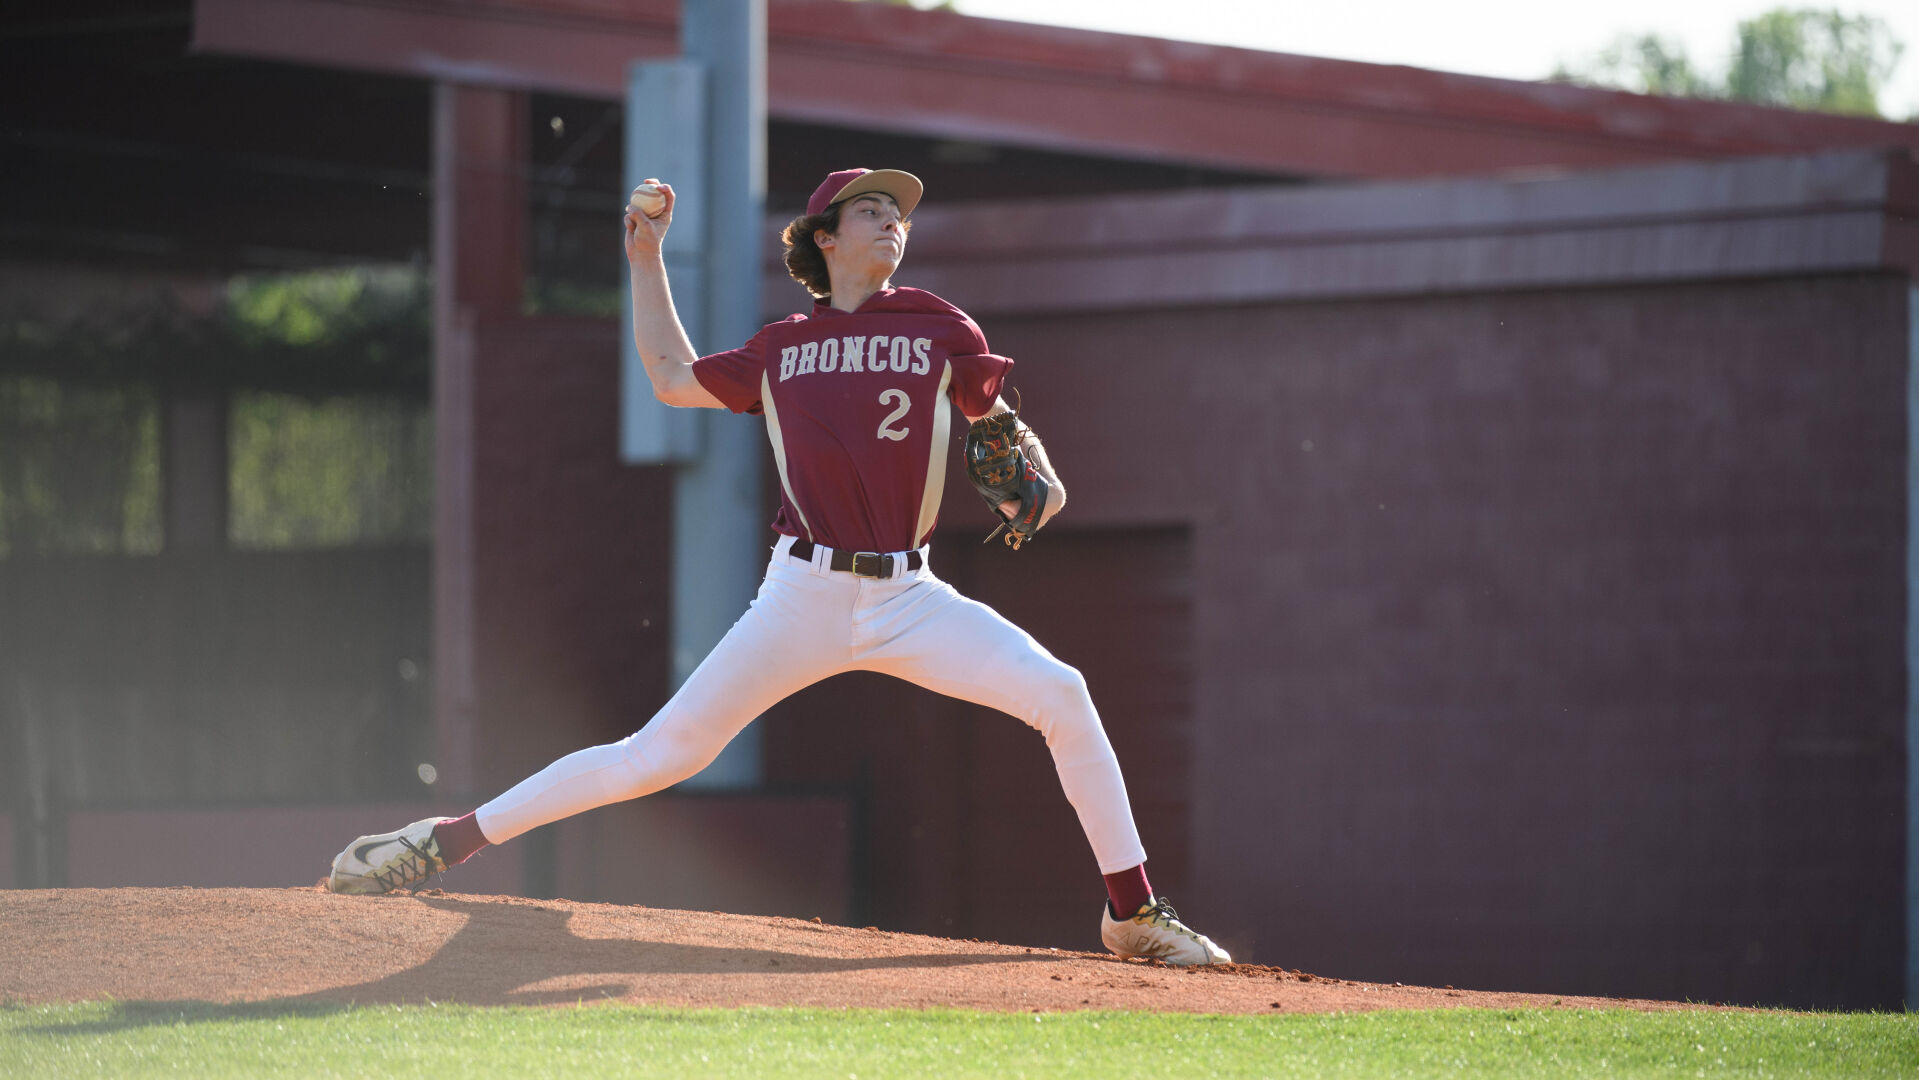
871 564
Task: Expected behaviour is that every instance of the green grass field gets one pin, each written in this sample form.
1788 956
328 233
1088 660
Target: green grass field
196 1039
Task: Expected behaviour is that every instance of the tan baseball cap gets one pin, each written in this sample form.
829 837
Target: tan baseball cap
904 187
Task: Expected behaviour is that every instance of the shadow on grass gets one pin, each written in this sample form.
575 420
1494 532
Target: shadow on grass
503 949
129 1015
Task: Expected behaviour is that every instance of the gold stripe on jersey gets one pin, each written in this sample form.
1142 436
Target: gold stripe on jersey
779 449
936 456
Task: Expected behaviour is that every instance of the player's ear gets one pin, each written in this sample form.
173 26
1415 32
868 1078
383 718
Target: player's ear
822 239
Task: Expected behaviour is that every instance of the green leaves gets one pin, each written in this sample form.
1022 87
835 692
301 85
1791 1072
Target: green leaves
1810 59
1797 58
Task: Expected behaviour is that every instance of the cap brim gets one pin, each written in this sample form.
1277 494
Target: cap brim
904 187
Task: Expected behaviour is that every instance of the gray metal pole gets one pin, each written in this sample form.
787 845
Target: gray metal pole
720 538
666 137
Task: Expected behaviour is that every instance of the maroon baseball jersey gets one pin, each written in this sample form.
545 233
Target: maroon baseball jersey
856 410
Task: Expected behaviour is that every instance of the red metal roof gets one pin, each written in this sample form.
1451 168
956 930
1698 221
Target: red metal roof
1840 211
892 68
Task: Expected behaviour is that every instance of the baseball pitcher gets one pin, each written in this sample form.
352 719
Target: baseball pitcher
854 395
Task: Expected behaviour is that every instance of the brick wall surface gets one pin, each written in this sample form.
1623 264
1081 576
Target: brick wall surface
573 552
1548 641
1545 640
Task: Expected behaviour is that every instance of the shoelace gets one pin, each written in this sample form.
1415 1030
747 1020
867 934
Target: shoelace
1162 914
406 871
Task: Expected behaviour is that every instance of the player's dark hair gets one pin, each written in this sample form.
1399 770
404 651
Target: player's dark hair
804 259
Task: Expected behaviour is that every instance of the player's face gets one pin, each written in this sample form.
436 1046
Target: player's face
870 231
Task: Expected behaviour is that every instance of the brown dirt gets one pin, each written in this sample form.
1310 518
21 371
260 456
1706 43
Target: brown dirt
249 945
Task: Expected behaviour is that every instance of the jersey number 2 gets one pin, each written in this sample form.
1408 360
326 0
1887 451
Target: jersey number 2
887 430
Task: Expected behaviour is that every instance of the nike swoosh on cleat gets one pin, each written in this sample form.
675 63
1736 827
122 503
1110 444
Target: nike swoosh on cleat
360 852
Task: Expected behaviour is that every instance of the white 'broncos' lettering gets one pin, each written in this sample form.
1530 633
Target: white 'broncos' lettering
849 354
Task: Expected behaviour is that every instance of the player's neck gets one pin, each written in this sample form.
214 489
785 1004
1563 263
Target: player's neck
848 296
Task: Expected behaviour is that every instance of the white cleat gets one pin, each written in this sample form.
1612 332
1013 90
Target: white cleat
388 861
1155 932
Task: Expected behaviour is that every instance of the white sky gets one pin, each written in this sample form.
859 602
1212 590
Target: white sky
1513 39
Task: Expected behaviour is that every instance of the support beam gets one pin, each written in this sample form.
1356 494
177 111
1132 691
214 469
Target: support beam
478 273
719 531
1912 647
193 469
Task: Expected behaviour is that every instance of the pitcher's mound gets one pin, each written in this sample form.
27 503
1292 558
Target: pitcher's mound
235 945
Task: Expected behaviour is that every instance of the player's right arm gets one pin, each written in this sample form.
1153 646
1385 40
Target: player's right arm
657 333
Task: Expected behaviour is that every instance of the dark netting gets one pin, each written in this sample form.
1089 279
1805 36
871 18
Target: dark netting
215 524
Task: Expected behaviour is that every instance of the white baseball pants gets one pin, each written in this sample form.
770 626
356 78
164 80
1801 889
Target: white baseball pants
809 622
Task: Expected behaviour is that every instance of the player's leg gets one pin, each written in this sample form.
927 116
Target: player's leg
794 634
930 635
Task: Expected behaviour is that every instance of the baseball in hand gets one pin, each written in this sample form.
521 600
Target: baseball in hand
648 199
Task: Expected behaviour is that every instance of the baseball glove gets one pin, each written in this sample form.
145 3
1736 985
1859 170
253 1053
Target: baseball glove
1001 470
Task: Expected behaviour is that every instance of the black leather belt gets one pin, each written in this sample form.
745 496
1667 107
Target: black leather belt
862 563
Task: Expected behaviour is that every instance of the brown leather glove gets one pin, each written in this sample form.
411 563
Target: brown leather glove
1002 470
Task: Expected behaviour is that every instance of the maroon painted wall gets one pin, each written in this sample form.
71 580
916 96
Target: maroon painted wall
745 853
1547 638
1546 641
572 551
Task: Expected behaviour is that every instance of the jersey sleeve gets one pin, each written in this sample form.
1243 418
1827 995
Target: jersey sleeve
733 376
977 379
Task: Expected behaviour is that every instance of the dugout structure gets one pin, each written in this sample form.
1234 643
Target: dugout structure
1513 593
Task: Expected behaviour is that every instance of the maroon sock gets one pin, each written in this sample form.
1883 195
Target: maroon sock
459 839
1129 891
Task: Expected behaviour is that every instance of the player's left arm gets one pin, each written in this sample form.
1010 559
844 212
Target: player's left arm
1035 452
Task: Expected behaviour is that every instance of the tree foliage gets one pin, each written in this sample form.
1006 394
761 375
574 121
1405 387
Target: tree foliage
1809 59
1645 63
1799 58
351 330
324 379
79 467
